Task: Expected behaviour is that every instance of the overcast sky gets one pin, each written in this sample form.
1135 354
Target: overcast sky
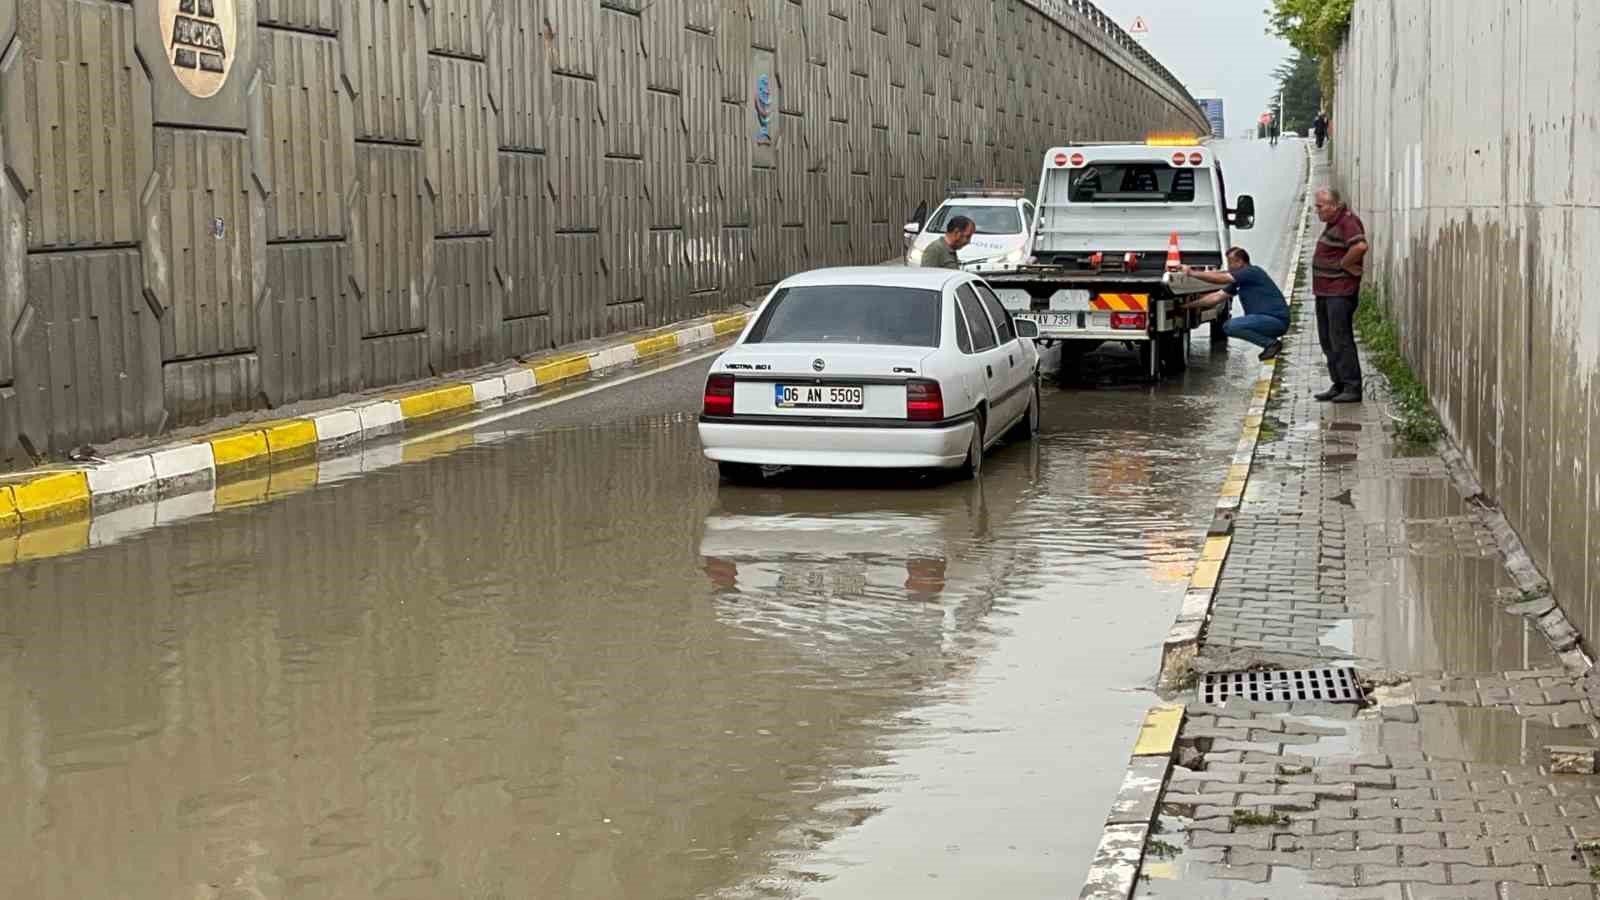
1219 45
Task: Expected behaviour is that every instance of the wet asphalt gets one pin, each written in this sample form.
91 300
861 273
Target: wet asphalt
562 660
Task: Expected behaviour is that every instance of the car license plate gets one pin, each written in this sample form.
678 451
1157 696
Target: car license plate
1053 320
817 396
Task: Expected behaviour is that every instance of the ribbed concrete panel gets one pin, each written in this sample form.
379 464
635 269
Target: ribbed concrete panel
701 245
701 15
310 323
575 155
667 282
733 166
627 316
791 59
622 85
523 235
625 248
308 130
578 303
385 44
467 306
204 251
701 96
738 264
733 51
460 146
319 16
766 19
664 172
202 389
457 27
523 88
662 35
526 336
393 246
394 359
77 122
88 351
572 35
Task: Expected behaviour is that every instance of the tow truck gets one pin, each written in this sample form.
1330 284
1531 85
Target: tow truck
1112 226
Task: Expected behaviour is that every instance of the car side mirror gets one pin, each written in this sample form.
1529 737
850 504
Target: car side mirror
913 229
1244 212
1026 328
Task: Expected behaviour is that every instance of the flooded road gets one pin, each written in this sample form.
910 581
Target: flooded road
553 657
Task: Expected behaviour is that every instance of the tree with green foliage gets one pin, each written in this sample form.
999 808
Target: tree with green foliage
1301 91
1314 27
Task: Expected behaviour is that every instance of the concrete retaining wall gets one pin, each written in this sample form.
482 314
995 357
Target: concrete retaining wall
220 205
1467 133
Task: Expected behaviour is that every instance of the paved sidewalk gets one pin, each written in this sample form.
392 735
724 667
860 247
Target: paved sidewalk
1350 548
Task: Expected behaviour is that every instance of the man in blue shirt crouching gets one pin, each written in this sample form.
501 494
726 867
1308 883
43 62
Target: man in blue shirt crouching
1266 316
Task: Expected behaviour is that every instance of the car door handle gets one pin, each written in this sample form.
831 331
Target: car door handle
1011 361
990 370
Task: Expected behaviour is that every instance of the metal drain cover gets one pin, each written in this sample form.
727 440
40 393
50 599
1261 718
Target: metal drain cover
1329 685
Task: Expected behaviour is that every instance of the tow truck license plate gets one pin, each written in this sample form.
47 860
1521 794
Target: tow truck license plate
1053 320
817 396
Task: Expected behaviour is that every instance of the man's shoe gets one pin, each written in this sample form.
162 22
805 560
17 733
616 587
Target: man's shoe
1348 397
1329 394
1271 351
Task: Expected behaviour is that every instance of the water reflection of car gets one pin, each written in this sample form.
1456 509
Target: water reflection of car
1001 215
882 368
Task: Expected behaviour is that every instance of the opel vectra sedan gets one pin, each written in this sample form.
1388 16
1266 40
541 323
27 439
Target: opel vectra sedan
872 368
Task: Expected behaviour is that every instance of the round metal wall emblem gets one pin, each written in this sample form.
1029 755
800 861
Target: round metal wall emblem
818 365
199 37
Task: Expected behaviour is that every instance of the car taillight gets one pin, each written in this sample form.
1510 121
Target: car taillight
719 395
924 402
1129 320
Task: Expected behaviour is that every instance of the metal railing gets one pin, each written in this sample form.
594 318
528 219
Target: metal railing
1063 10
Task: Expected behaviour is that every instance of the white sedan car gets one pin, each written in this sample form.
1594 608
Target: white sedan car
1001 235
872 368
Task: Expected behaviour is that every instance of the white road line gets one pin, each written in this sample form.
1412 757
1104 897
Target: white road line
509 412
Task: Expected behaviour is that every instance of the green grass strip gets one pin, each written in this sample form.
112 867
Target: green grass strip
1416 423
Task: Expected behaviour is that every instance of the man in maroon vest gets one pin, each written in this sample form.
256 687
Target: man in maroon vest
1336 282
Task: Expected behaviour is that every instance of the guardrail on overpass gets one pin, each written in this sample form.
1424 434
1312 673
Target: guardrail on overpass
225 205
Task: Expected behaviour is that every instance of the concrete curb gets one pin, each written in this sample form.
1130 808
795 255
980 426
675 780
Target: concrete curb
1182 644
1117 860
56 496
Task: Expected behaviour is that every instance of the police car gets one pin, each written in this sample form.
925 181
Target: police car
1002 215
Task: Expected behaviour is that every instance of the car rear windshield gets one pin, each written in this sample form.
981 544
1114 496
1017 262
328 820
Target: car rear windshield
1132 183
989 219
850 314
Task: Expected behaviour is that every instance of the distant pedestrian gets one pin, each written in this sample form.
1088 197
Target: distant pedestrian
943 253
1319 125
1266 315
1272 132
1336 280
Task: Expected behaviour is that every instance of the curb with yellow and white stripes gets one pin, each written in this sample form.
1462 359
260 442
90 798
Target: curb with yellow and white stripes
43 498
1119 858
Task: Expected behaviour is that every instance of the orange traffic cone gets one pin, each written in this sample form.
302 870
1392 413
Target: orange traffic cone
1174 261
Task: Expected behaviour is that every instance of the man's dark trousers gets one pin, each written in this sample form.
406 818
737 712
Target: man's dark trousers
1336 327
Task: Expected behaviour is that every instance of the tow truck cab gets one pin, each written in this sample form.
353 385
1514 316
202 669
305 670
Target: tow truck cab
1098 267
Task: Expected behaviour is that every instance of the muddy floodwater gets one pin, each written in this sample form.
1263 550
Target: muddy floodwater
553 657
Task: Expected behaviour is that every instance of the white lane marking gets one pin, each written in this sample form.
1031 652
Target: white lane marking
508 412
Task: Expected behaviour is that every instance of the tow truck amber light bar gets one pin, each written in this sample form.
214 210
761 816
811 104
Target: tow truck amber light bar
1172 140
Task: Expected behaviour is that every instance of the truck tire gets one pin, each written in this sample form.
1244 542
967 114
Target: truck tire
1218 336
1174 348
1073 352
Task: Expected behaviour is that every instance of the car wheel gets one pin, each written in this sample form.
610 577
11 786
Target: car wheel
1027 427
739 473
972 466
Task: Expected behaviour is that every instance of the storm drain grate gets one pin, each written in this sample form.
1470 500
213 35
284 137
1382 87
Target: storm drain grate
1329 685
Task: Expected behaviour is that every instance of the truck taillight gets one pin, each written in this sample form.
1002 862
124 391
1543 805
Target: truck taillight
1130 321
1178 158
924 401
719 395
1061 160
1077 160
1196 159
